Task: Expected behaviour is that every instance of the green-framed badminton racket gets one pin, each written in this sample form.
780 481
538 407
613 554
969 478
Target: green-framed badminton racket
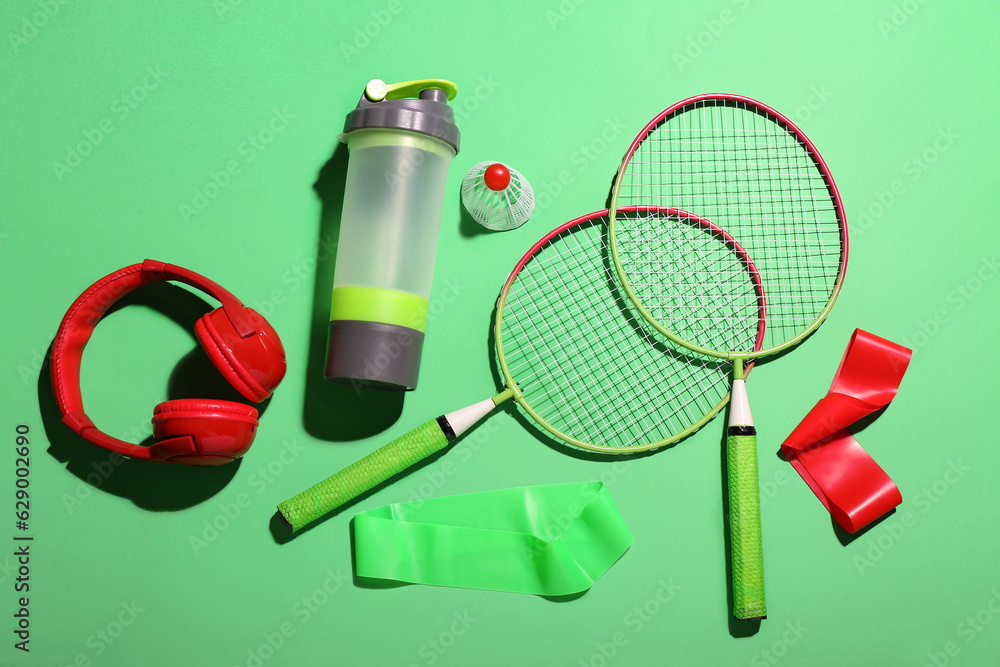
575 356
751 172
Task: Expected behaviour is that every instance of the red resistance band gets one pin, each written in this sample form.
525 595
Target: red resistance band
840 472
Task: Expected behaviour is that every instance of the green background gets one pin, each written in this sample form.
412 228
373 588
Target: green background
897 96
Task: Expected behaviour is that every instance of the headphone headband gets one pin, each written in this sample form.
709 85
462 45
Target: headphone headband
87 310
233 307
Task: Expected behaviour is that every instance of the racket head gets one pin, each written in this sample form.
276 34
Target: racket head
694 275
751 171
583 363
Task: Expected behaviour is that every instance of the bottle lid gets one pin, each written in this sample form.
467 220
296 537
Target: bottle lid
417 106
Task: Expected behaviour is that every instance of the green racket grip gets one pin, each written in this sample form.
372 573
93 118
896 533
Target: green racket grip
359 477
744 525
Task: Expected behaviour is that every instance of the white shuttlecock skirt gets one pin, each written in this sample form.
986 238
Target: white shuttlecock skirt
499 210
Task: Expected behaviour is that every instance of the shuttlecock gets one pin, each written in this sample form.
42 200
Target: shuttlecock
497 197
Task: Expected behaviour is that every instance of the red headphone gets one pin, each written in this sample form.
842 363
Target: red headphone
193 431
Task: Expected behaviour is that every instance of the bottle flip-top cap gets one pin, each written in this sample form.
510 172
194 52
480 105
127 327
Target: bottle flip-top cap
417 106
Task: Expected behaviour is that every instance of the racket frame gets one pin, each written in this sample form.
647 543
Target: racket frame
732 100
511 382
748 591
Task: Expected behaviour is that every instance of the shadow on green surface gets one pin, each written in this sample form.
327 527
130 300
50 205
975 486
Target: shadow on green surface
333 411
467 225
846 538
155 486
282 534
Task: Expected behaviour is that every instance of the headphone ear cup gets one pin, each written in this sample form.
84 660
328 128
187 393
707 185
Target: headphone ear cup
197 431
254 365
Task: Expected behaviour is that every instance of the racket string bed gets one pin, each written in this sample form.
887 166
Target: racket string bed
697 288
738 252
561 392
732 164
588 376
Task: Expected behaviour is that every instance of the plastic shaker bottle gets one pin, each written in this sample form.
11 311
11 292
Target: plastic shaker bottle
401 139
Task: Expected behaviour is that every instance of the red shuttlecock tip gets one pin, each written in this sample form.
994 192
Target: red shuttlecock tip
497 177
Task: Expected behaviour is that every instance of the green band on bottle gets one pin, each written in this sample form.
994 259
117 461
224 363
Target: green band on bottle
551 540
375 304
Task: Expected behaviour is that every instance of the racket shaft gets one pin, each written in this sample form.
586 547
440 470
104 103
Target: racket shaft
744 523
367 473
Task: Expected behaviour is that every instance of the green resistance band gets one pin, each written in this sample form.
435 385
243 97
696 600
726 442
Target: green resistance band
551 540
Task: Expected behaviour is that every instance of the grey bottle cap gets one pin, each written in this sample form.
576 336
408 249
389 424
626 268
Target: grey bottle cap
429 114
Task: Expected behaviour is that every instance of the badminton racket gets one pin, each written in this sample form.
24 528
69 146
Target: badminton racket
750 171
575 356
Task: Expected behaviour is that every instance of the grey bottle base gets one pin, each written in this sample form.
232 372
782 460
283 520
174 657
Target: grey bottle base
373 354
